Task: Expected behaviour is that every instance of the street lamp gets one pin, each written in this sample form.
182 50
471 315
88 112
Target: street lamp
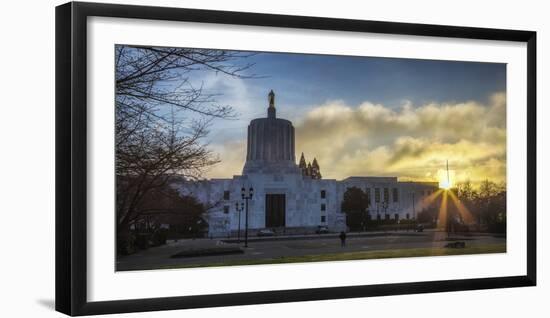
364 218
246 196
239 209
414 211
385 207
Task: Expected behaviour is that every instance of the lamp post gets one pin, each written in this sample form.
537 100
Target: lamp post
239 209
366 217
385 207
414 211
246 195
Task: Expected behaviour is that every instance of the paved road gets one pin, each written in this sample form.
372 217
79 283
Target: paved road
269 248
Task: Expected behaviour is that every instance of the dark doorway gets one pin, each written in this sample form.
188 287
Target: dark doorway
275 206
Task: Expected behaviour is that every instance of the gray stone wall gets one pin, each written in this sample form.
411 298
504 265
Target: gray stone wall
305 207
270 145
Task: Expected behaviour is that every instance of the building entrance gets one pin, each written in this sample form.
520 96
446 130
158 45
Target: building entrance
275 210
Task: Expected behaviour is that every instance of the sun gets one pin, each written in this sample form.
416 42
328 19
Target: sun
446 180
443 184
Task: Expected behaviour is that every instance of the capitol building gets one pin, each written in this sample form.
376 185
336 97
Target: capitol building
289 197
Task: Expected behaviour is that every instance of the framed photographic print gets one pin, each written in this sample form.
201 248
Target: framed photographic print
208 158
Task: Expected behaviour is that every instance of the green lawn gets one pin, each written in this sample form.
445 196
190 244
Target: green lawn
413 252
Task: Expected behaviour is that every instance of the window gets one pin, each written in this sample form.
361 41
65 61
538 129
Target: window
226 209
323 207
367 193
395 195
226 195
376 195
323 218
323 194
386 195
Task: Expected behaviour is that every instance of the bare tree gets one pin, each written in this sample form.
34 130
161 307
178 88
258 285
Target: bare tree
162 117
487 203
466 190
487 189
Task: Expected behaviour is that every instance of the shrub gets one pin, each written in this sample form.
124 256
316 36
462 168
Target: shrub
159 237
143 241
126 244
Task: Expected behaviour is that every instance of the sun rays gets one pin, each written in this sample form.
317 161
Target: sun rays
463 211
449 207
429 200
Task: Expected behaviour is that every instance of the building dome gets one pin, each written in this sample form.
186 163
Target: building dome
270 144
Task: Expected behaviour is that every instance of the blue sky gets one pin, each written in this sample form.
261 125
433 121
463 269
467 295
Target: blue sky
312 79
370 115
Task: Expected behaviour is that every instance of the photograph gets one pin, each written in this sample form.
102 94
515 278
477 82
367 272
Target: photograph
227 157
245 159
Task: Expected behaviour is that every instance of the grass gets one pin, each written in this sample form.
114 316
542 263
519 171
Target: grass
212 251
362 255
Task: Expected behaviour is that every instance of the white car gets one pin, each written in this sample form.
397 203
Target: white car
266 232
322 230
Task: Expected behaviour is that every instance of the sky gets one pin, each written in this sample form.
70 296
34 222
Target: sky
370 116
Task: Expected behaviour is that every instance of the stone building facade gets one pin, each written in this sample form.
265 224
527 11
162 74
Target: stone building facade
294 198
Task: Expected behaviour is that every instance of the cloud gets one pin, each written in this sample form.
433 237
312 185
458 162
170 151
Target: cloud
411 142
232 156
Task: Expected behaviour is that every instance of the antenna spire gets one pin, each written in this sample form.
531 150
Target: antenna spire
448 179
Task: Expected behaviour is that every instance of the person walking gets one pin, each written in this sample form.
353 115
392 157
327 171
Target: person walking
342 238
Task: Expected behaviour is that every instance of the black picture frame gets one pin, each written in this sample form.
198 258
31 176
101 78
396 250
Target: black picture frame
71 157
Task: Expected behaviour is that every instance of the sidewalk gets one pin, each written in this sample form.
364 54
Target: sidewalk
322 236
438 233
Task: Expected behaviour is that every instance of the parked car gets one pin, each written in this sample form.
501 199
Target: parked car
266 232
420 228
322 230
